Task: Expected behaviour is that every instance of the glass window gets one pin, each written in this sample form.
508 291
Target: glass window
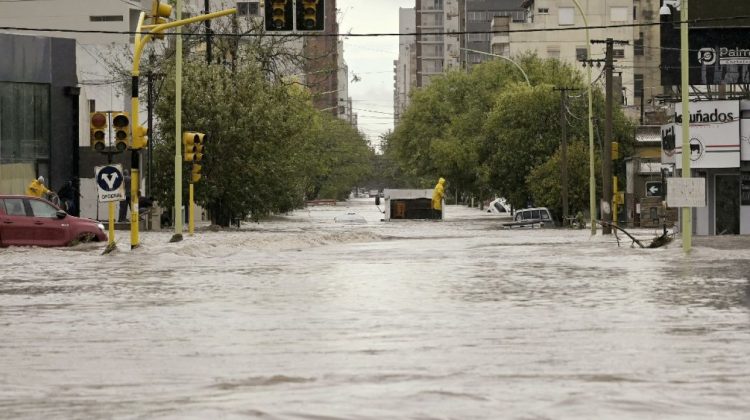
618 14
543 10
535 214
567 16
582 53
14 207
618 53
24 122
42 209
545 215
109 18
247 8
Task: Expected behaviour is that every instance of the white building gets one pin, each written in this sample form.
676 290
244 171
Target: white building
570 45
439 53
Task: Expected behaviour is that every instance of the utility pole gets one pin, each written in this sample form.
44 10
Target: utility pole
208 33
607 196
564 152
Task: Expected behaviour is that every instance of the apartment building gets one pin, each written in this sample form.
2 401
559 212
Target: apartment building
558 17
405 67
438 51
478 17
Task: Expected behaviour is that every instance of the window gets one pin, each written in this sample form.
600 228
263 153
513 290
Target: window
638 46
618 53
581 53
14 207
42 209
247 8
543 10
618 14
638 85
567 16
25 117
108 18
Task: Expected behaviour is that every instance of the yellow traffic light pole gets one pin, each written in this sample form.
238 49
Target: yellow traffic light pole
140 43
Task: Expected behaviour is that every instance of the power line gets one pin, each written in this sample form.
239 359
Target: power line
385 34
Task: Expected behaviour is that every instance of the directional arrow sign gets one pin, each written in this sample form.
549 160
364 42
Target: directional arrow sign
654 189
109 182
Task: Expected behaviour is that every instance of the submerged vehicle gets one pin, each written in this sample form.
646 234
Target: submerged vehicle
536 217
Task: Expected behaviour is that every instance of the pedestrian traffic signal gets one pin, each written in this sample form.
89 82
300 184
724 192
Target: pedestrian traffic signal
160 13
195 172
279 15
310 15
98 122
140 137
194 143
121 126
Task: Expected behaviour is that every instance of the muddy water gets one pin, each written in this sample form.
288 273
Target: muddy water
304 318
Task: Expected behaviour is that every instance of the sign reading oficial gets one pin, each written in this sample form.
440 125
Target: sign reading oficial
109 182
714 135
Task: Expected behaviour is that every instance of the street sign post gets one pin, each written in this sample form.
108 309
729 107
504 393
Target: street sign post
109 183
110 186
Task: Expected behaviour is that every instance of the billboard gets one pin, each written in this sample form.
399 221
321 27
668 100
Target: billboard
714 135
719 39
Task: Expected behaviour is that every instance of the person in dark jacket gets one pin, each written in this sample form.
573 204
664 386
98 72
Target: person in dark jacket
125 204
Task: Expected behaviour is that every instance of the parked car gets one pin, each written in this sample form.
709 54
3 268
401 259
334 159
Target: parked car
532 217
32 221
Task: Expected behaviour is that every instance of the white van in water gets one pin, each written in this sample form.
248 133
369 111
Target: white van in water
532 217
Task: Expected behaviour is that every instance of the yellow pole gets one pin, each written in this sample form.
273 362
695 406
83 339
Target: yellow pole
191 222
111 241
592 177
615 200
140 43
687 212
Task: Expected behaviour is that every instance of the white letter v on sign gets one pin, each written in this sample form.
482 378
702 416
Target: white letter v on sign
110 179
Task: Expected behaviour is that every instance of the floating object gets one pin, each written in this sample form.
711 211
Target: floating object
350 217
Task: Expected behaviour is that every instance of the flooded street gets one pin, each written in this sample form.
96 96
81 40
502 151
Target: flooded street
304 318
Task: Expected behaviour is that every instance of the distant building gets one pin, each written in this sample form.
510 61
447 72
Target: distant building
478 17
405 68
438 51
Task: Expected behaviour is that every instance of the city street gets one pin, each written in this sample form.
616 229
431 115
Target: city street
303 317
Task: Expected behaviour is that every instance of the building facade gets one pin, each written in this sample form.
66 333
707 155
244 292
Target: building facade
438 51
478 16
405 67
570 45
39 99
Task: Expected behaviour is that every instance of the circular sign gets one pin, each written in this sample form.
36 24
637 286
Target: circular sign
696 149
109 178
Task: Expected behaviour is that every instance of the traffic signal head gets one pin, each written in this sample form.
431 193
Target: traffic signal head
279 15
160 13
140 137
194 144
98 121
195 173
121 126
310 15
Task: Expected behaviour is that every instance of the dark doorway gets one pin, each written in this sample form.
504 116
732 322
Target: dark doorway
727 205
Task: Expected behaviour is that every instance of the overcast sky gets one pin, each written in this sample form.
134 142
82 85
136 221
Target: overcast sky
371 58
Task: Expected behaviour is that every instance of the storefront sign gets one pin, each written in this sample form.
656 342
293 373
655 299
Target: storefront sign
714 135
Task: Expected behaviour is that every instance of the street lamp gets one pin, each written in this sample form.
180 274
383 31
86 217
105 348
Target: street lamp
504 58
592 178
687 212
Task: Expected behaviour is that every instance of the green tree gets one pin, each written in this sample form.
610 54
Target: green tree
543 182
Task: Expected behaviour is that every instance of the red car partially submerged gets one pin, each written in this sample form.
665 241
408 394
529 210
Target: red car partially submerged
31 221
